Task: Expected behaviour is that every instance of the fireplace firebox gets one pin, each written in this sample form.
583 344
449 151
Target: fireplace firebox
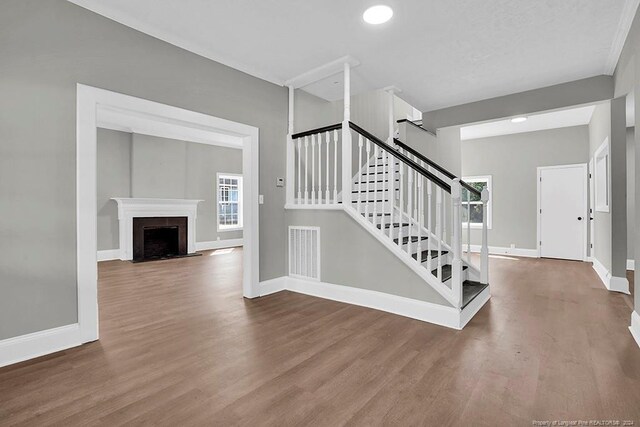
159 238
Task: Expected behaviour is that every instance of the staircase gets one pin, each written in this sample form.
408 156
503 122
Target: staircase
409 203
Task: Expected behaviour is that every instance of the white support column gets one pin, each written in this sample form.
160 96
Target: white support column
346 138
484 251
456 242
290 187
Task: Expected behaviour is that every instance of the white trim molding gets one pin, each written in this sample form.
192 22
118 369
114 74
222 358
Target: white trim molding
635 326
130 208
108 255
624 25
218 244
498 250
612 283
94 107
631 264
442 315
30 346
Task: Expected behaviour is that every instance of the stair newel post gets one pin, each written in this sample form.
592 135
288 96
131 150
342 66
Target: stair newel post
313 169
468 226
367 177
484 251
306 170
290 190
420 204
360 175
456 241
299 170
429 222
375 185
335 166
346 139
320 168
328 193
401 210
439 235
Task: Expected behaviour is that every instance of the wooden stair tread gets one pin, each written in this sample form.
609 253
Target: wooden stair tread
470 290
429 253
446 272
414 239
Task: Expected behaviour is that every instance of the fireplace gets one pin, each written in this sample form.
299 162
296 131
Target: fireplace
159 238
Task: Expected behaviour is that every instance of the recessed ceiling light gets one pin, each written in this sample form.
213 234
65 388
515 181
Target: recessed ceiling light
377 14
518 119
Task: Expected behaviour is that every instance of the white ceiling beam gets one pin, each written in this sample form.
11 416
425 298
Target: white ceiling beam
321 72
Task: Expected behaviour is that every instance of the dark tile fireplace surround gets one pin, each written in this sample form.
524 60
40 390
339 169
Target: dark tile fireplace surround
159 238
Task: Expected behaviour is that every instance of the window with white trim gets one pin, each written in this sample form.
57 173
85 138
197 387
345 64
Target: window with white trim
229 202
471 203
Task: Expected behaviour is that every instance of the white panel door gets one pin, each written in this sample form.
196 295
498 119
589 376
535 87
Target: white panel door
563 216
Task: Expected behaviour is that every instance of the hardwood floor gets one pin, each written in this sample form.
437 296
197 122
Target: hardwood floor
180 346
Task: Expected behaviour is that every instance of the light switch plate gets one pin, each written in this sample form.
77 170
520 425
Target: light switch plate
279 182
261 199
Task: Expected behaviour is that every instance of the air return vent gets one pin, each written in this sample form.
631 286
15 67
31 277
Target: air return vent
304 252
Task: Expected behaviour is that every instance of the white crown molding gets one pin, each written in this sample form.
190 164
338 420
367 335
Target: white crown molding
321 72
105 10
25 347
415 309
624 25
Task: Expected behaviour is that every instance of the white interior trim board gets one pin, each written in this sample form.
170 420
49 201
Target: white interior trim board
624 25
108 255
420 310
631 264
499 250
635 326
30 346
612 283
218 244
91 103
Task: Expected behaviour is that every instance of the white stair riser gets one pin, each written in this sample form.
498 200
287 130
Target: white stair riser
364 185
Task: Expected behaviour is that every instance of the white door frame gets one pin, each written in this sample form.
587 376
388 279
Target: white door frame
591 244
583 166
90 103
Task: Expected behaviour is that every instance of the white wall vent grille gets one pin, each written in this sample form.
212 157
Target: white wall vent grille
304 252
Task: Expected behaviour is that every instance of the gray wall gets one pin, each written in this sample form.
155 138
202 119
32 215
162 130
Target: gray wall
360 260
47 47
512 161
134 165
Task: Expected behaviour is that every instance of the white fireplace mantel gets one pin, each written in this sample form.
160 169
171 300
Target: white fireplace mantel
129 208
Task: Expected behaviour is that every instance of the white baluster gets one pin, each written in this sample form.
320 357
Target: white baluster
313 169
383 204
484 251
319 168
390 191
327 195
456 241
410 212
359 187
335 166
299 170
420 214
468 226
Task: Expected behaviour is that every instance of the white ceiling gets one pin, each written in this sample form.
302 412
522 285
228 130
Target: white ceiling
551 120
440 53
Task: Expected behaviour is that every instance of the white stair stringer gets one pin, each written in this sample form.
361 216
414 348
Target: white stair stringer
407 259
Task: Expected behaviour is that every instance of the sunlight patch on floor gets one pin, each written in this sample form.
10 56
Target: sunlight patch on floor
221 251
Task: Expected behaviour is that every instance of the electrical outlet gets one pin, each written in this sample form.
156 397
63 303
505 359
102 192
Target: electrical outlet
513 246
279 182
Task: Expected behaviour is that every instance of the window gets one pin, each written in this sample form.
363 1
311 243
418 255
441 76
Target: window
474 204
602 177
229 202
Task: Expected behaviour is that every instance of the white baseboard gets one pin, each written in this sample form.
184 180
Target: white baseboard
612 283
635 326
631 264
474 306
108 255
498 250
113 254
218 244
407 307
25 347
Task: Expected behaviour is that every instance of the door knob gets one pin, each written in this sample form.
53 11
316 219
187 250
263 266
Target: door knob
579 218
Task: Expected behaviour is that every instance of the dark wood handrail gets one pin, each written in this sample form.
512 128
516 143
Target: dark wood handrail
316 131
418 168
436 166
416 125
